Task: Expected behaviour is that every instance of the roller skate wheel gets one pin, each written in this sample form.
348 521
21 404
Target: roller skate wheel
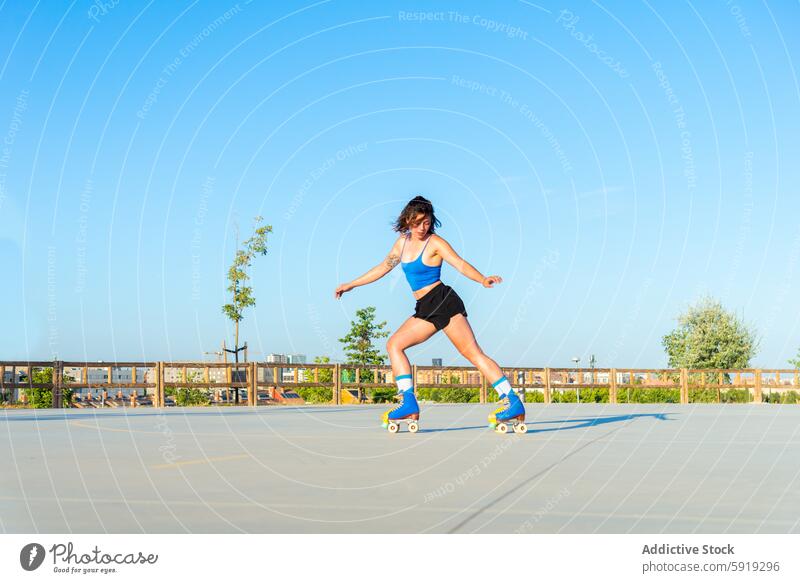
501 428
384 425
393 427
520 428
413 427
492 425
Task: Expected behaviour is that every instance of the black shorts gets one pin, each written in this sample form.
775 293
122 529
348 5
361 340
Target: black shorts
439 305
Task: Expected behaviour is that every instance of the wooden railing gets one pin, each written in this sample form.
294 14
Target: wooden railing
145 382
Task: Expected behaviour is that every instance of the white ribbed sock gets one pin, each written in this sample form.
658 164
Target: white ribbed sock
404 382
502 386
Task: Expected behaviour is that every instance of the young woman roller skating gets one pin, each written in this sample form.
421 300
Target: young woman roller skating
421 252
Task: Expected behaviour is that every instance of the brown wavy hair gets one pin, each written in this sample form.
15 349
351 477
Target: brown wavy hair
415 206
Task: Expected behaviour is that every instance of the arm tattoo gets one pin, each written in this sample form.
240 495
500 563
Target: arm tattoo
392 261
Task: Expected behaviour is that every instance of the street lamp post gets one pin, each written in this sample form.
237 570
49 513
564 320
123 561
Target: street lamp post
576 360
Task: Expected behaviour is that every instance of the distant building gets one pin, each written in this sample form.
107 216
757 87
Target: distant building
123 374
436 362
287 375
9 376
99 374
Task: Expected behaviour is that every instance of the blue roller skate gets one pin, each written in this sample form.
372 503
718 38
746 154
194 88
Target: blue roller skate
407 411
511 410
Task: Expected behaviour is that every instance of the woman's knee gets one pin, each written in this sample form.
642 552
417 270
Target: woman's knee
472 353
394 345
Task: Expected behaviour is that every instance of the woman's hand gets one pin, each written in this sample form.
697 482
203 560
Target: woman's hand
491 280
345 287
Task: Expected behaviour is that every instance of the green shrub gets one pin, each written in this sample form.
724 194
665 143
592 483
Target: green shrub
188 397
702 395
425 393
534 397
735 396
644 395
381 395
316 395
782 398
449 394
590 395
325 375
563 396
467 395
42 398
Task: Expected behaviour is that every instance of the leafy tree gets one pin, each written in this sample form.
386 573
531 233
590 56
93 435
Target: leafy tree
710 337
42 398
795 362
358 346
189 396
241 293
325 375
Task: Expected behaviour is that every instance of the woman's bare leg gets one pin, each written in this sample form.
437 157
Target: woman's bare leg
460 334
413 331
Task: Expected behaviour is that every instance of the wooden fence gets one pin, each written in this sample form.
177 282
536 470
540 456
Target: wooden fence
144 383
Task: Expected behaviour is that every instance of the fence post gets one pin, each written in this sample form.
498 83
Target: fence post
337 384
252 396
684 386
547 396
612 386
757 396
159 400
156 376
414 378
483 389
58 367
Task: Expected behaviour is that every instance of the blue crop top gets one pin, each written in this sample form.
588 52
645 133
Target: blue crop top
417 273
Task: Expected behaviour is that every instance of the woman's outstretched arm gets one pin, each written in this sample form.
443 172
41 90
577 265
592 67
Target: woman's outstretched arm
448 254
374 274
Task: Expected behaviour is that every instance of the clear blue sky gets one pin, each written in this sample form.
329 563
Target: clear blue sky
613 162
